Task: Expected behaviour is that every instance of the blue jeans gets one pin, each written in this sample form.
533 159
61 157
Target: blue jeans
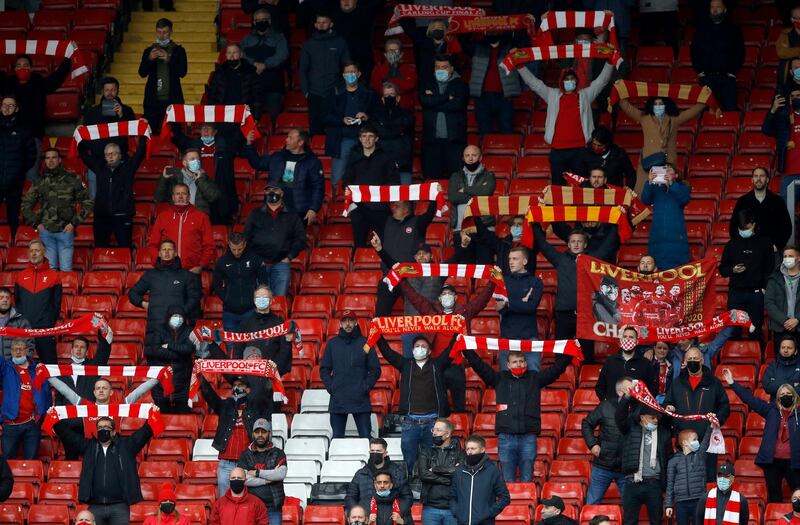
363 424
517 450
534 360
275 517
230 320
58 248
416 431
279 274
785 180
601 480
339 164
224 468
91 182
25 434
685 512
434 516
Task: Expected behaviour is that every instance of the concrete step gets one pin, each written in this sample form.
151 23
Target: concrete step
198 14
133 92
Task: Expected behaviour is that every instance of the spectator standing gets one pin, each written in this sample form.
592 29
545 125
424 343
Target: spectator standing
730 504
782 297
668 242
63 203
17 157
787 46
170 345
601 152
9 318
163 64
266 49
428 41
236 276
362 488
395 126
779 123
233 82
388 501
498 249
349 375
478 492
443 96
785 370
769 209
435 467
569 121
37 295
167 514
626 363
238 506
552 512
277 349
472 180
280 10
322 60
686 477
277 236
203 192
354 20
518 314
606 447
718 54
393 70
265 465
660 359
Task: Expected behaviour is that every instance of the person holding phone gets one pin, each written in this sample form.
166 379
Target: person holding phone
668 242
779 123
163 64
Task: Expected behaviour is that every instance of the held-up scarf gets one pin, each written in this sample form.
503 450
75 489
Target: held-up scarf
203 333
373 507
652 334
470 342
533 54
502 205
147 411
607 214
491 24
162 373
54 48
573 20
427 12
687 92
248 367
731 516
637 212
641 394
81 325
427 191
412 324
126 128
471 271
238 114
587 196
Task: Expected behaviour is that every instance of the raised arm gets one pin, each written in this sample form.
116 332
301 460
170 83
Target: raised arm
141 390
394 359
62 388
630 110
484 371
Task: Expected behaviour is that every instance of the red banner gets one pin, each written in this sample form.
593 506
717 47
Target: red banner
81 325
610 297
413 324
491 24
651 334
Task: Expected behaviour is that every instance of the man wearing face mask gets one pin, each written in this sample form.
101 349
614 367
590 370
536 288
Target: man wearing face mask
601 152
349 375
18 154
787 46
163 64
354 20
357 516
769 209
236 276
361 489
277 236
277 349
782 296
626 363
388 506
747 261
238 506
478 492
778 123
265 465
429 42
9 318
435 467
723 505
393 70
109 481
794 515
170 345
697 391
235 81
203 192
784 370
472 180
266 49
395 126
498 248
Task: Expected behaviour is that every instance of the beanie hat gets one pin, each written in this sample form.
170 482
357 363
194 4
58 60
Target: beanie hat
166 493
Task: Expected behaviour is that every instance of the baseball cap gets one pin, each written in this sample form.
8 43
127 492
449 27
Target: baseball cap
726 469
272 185
348 314
262 424
554 501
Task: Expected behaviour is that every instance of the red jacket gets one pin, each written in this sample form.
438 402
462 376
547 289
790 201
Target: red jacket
406 83
37 294
247 510
191 231
166 520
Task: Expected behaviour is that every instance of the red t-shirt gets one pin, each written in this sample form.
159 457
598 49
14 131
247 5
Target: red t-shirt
237 443
207 159
791 164
27 407
491 84
568 132
694 381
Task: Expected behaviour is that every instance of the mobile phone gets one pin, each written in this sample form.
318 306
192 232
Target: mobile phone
174 171
107 108
660 174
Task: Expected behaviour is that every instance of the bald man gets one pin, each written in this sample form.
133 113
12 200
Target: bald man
84 517
472 180
238 506
357 515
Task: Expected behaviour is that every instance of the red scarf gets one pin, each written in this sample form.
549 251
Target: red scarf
54 48
427 12
427 191
373 507
82 324
468 342
162 373
238 114
251 367
573 20
126 128
607 214
473 271
413 324
140 410
533 54
731 513
637 212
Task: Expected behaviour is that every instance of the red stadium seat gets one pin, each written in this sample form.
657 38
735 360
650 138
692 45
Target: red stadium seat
569 469
141 511
195 513
361 281
169 449
497 144
64 471
200 472
22 493
461 425
49 514
748 447
11 514
363 304
111 259
331 259
103 282
523 493
63 107
584 400
554 400
573 449
366 259
323 515
612 511
27 470
58 493
321 282
515 515
187 493
533 167
775 512
313 306
86 304
572 492
754 426
655 56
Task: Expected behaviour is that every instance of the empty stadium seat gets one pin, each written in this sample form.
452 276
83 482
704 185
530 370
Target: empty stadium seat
349 449
339 471
305 448
49 514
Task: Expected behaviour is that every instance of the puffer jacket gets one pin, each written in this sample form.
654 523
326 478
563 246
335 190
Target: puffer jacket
776 302
62 197
478 493
784 370
668 242
15 320
632 434
229 85
362 487
167 284
348 373
17 153
435 467
609 439
709 396
686 474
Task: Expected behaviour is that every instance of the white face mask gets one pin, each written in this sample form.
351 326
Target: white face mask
448 300
262 303
176 321
78 361
420 353
789 262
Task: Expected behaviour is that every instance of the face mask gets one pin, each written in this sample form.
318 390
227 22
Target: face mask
390 102
693 366
472 166
474 459
262 25
234 64
796 505
723 484
238 393
207 140
167 507
786 400
442 75
420 353
796 104
789 262
658 111
650 426
796 25
599 150
19 360
273 197
547 514
694 446
437 34
194 165
376 458
627 345
516 231
23 74
518 371
176 321
237 486
438 441
164 42
718 18
570 85
746 234
447 300
104 435
796 74
77 361
350 78
383 493
394 58
262 303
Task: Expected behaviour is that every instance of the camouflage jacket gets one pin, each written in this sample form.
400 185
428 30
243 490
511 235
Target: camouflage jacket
62 197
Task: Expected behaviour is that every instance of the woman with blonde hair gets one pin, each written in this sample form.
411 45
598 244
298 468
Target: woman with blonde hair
779 453
167 512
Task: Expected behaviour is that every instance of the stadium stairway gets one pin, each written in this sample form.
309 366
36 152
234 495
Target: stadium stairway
193 28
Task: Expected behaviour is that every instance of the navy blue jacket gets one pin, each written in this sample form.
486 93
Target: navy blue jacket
478 494
365 100
309 183
12 386
518 318
781 371
668 242
779 126
772 425
348 373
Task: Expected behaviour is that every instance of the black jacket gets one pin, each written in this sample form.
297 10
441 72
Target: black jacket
84 385
235 280
617 165
627 418
278 349
560 519
17 153
94 115
708 397
275 238
772 216
609 438
379 169
615 368
521 395
120 459
498 248
435 467
478 494
32 96
322 60
722 502
339 104
396 130
229 85
167 285
178 67
425 49
755 254
308 184
114 185
356 27
362 487
348 373
779 372
272 494
167 347
402 238
6 480
718 48
518 318
385 506
452 103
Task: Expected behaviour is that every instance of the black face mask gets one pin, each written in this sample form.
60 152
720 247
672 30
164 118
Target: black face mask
376 458
796 104
438 441
472 166
261 25
237 486
390 102
786 400
233 63
474 459
104 435
273 198
167 507
437 34
693 366
796 505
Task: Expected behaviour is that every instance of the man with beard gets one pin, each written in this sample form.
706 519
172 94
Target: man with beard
604 301
785 370
647 265
769 209
362 488
626 363
388 506
435 471
349 374
265 466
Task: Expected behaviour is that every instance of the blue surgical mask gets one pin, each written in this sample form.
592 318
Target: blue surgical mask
516 231
383 493
796 74
650 426
77 361
194 165
262 303
207 140
19 360
570 85
350 78
723 483
658 111
164 42
694 446
176 321
442 75
746 234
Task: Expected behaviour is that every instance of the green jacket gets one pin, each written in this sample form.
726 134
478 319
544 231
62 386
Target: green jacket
207 192
62 197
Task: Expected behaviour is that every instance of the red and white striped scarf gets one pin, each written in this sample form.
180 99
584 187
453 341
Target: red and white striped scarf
470 271
53 48
373 508
203 333
573 20
234 114
732 508
126 128
427 191
147 411
427 12
569 347
162 373
533 54
248 367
